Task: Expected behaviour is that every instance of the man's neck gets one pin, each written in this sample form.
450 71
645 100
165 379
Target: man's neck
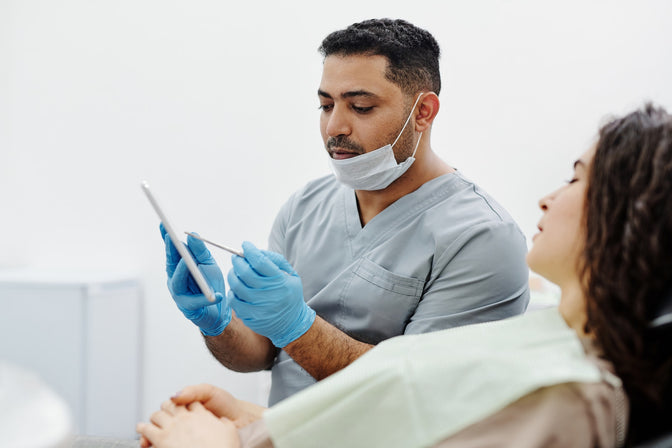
370 203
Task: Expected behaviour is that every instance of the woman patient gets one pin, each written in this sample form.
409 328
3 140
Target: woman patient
593 372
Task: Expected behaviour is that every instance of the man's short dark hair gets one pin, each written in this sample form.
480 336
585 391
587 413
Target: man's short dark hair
412 52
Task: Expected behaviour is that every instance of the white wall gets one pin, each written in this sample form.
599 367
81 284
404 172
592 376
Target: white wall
215 105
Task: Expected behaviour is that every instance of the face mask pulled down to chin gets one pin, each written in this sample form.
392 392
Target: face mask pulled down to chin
374 170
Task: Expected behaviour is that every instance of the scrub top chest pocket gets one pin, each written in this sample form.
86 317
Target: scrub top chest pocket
376 304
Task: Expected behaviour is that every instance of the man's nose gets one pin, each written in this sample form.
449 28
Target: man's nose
338 123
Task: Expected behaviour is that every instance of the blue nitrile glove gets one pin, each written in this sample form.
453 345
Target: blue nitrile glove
210 317
266 294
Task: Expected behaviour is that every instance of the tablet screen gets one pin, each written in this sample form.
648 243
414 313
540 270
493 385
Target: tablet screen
183 251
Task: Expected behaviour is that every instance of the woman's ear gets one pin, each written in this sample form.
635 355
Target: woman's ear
428 107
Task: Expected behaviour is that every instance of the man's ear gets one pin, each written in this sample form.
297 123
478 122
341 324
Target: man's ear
427 108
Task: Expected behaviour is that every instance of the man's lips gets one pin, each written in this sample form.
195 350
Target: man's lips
340 154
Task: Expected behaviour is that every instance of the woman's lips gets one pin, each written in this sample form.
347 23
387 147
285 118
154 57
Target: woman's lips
537 234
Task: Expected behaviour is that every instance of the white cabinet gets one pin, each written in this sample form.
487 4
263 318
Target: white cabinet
82 334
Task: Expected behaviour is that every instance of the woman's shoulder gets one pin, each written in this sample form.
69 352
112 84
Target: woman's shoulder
568 414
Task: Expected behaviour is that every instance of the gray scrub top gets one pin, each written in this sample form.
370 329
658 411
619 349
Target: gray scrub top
442 256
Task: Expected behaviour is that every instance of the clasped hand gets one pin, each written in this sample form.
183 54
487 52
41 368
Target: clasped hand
201 415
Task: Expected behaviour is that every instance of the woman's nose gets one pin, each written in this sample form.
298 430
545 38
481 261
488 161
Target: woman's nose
544 202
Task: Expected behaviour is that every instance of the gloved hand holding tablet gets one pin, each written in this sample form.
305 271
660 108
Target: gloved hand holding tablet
194 280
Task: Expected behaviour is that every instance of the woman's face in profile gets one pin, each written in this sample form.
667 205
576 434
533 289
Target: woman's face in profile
557 247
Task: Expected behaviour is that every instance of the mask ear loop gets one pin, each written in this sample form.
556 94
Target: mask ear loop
407 120
416 146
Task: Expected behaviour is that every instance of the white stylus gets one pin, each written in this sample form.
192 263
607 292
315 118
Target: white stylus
184 253
221 246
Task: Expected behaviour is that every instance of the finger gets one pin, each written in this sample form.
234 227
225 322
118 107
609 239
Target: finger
198 392
244 310
231 298
247 275
169 407
181 278
218 401
160 418
241 292
144 443
236 285
148 431
259 261
180 410
199 251
183 284
279 261
197 406
172 255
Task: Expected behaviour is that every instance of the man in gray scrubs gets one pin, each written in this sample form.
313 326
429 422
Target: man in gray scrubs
396 242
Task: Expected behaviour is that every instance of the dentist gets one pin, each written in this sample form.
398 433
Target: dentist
395 242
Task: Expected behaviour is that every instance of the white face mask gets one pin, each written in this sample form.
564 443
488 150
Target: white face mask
374 170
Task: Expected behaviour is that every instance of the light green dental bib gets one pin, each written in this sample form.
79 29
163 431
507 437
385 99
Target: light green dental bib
414 391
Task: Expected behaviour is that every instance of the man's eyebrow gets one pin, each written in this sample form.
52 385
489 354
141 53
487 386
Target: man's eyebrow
349 94
357 93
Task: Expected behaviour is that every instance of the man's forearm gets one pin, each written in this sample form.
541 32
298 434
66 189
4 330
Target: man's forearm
324 349
240 349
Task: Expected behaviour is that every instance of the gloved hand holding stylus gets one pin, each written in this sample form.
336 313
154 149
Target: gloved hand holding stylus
211 318
267 295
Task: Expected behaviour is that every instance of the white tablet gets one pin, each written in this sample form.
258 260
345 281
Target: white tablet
184 252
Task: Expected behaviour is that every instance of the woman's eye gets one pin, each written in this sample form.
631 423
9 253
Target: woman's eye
572 180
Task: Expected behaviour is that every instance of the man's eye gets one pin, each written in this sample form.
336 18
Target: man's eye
362 110
326 107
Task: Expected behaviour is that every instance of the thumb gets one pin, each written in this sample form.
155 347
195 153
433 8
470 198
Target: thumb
279 261
198 392
196 406
200 252
216 400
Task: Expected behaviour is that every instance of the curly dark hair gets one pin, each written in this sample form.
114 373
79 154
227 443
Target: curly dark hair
627 264
412 52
